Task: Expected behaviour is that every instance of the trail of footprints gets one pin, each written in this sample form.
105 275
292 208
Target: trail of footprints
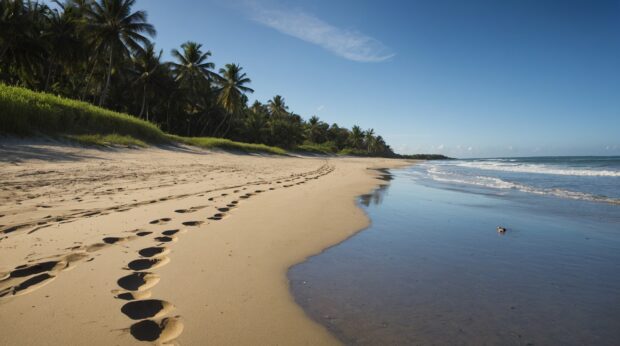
153 319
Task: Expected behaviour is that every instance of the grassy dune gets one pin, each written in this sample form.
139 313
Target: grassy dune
227 144
28 113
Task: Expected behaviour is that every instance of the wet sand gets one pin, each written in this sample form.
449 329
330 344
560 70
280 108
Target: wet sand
179 245
432 269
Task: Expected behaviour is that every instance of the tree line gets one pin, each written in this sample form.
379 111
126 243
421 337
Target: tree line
101 51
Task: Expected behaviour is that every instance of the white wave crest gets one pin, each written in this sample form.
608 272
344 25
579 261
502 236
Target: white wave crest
537 169
496 183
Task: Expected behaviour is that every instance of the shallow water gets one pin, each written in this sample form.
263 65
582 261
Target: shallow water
432 270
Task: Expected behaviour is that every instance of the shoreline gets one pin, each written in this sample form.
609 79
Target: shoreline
225 280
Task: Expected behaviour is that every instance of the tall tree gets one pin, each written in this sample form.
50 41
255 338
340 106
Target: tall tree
192 69
64 44
231 93
277 107
116 31
21 47
146 65
194 74
356 137
317 131
369 140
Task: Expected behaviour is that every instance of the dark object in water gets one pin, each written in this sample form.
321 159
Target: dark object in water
501 229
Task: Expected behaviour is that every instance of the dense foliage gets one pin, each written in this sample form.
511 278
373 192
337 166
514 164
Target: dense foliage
100 52
27 112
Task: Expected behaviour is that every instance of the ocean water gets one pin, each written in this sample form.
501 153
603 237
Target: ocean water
432 269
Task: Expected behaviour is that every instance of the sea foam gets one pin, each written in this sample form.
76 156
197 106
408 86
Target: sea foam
510 166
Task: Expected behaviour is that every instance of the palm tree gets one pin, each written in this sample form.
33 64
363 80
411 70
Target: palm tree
194 75
381 146
369 139
317 131
65 45
277 107
313 121
255 123
356 137
146 64
231 94
192 70
21 48
116 31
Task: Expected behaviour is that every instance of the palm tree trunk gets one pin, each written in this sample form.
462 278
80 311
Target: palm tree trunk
50 68
204 128
220 125
104 92
89 78
228 127
143 102
147 110
168 114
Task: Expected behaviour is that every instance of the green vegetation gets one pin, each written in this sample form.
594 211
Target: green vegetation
326 148
27 112
106 140
425 157
223 143
99 52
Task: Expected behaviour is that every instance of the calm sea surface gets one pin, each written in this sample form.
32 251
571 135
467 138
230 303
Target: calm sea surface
432 270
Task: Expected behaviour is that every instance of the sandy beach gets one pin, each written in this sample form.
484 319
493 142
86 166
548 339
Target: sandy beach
166 245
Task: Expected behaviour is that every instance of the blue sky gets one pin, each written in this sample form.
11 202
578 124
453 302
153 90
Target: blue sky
472 78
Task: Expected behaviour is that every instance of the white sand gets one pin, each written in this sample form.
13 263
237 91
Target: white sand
219 282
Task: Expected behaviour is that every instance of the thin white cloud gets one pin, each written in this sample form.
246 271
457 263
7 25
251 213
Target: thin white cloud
320 108
349 44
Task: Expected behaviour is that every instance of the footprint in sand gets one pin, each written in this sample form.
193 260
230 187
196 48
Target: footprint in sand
184 211
155 251
160 332
172 232
166 239
223 210
138 281
217 217
193 223
44 272
190 210
28 286
161 221
115 240
150 308
148 263
23 270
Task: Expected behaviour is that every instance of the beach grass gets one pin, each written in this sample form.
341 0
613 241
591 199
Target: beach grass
25 112
107 140
226 144
29 113
327 148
